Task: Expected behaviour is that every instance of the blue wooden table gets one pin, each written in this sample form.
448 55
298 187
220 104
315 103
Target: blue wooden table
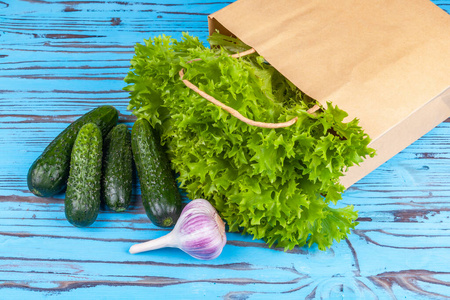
60 59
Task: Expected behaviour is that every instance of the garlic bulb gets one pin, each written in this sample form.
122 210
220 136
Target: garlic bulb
199 231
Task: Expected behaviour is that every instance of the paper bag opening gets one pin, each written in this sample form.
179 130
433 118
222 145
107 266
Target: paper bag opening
385 62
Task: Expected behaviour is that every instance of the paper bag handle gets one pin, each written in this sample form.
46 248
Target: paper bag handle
232 111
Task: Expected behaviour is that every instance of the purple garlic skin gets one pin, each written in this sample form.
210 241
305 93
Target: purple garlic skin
199 231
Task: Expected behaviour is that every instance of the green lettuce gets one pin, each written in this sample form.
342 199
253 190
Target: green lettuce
281 185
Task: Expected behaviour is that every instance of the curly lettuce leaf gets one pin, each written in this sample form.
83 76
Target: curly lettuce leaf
275 184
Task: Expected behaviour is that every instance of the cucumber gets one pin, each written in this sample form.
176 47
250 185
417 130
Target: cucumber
117 181
48 174
160 195
82 202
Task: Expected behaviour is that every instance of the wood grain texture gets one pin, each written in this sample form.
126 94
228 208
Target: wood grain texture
59 59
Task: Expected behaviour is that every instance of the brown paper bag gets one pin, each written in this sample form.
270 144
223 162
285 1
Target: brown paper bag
385 62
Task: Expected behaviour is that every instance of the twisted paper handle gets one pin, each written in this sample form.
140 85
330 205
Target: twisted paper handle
232 111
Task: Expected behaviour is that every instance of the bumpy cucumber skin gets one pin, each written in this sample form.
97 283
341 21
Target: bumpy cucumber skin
117 181
160 195
82 202
48 174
